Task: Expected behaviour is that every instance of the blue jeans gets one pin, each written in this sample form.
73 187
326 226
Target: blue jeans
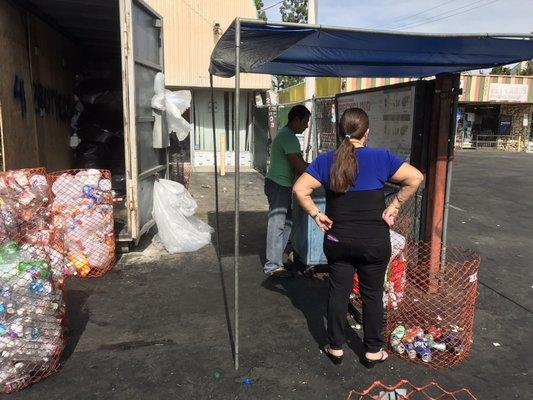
279 223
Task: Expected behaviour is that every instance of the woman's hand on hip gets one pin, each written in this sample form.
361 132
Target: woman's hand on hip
323 222
390 214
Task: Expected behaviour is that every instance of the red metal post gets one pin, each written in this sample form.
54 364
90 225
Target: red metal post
441 123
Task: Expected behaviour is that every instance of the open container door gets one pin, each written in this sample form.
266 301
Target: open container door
142 59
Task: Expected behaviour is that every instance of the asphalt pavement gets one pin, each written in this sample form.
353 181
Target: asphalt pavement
160 326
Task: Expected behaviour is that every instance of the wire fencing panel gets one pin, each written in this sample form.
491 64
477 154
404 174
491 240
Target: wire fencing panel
325 132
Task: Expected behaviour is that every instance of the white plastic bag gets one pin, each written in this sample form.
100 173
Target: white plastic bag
179 230
174 103
158 101
397 243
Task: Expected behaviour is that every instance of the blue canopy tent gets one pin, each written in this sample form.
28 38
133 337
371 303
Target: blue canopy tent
309 50
254 46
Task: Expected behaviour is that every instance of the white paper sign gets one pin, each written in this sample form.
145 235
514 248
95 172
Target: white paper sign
508 92
390 114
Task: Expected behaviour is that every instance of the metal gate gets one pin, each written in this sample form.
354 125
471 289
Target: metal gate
325 128
261 140
142 59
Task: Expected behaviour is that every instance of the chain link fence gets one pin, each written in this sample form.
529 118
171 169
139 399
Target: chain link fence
324 136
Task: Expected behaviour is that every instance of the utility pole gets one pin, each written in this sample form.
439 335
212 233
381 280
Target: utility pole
310 83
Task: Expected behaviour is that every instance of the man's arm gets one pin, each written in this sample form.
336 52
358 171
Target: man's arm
297 163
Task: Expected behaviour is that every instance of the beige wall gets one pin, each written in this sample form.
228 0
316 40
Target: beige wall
33 140
189 40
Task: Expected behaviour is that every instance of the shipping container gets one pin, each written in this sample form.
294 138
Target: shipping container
51 49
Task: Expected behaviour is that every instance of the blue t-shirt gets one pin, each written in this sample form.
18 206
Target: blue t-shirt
375 167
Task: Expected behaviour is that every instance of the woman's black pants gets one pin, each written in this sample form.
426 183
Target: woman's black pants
369 258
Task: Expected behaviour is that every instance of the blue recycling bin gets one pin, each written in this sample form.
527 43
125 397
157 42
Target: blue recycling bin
307 239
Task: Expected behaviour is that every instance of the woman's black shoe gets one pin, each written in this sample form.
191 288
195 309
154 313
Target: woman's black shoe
337 360
370 363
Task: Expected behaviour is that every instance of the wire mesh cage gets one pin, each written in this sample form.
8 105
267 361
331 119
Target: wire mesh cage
82 212
404 390
434 322
32 311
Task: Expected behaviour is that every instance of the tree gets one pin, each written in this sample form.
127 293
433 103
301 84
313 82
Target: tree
260 13
528 70
281 82
501 70
291 11
294 11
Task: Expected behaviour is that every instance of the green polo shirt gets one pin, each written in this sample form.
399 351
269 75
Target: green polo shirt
280 170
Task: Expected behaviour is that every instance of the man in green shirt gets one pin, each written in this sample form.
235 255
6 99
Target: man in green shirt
286 162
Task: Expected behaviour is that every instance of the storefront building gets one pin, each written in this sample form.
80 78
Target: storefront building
495 112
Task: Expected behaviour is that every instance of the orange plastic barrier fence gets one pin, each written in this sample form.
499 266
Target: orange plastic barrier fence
404 390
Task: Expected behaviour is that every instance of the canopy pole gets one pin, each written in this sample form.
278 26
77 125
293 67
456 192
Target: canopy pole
217 214
237 143
438 162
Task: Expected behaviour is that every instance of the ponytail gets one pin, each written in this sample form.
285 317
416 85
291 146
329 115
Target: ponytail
344 168
353 125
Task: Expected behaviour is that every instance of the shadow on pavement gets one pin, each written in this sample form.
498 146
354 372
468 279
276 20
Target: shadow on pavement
77 317
253 225
310 296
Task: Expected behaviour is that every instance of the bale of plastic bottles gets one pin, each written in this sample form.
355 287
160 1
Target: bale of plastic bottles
82 213
32 310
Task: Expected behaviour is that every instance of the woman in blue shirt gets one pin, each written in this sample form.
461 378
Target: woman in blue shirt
357 224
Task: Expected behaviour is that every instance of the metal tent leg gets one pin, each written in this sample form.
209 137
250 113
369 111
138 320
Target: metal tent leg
217 219
237 143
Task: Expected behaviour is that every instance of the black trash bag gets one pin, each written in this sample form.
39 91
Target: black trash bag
118 182
107 92
99 124
92 155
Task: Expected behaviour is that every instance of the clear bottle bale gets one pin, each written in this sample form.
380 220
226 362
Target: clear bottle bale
32 310
83 224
